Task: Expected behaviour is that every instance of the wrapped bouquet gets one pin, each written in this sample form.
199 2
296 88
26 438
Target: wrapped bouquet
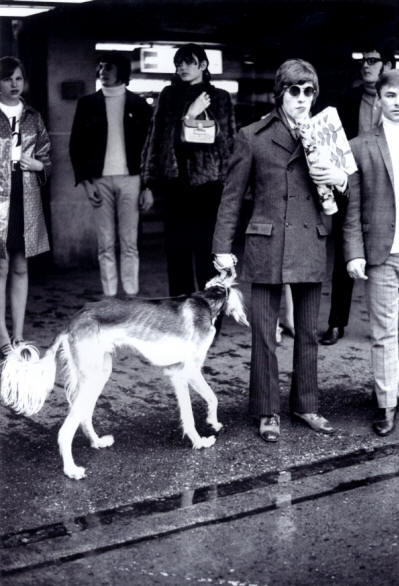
324 141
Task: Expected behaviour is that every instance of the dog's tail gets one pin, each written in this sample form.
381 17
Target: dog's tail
27 379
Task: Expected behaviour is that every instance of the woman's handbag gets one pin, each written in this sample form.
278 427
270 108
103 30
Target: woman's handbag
200 131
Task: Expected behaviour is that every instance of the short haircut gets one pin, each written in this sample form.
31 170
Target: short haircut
188 53
8 65
390 77
122 64
294 71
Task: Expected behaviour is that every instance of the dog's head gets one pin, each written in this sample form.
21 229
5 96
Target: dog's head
232 299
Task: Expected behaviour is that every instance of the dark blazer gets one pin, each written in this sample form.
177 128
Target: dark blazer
89 134
285 240
369 225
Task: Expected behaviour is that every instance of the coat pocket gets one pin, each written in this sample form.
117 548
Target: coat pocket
258 228
322 230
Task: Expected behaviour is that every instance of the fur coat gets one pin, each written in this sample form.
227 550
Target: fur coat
203 163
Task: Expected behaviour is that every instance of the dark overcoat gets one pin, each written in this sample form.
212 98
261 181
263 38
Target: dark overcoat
369 226
285 240
89 134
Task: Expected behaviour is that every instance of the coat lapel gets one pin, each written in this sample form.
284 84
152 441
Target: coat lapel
283 138
383 146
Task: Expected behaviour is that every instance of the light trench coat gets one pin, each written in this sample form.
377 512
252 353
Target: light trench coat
35 143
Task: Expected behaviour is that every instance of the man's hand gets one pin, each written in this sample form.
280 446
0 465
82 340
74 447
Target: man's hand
30 164
225 263
146 200
323 174
356 268
92 195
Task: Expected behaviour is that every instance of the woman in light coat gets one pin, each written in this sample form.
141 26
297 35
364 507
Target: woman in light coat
24 167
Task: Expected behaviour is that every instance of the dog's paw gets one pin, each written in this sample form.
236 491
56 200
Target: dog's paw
204 442
76 473
216 425
103 442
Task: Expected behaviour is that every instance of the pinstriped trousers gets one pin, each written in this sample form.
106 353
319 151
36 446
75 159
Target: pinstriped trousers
382 299
264 391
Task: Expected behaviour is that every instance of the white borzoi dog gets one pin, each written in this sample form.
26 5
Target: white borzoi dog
174 333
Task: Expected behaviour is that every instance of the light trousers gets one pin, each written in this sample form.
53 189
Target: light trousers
382 289
118 216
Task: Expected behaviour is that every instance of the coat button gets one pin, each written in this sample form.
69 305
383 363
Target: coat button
306 225
287 224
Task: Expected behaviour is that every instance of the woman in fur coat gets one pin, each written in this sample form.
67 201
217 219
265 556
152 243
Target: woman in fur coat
189 177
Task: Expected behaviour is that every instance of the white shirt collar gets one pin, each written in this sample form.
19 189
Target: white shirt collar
389 125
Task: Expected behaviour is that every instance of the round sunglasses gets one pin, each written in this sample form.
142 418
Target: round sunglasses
295 90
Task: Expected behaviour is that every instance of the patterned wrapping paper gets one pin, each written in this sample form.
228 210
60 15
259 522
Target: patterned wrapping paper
331 140
324 141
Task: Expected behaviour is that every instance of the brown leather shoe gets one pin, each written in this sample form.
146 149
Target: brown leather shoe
316 422
384 422
331 336
269 428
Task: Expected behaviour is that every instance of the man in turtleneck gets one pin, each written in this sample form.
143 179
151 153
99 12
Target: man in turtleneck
108 135
360 111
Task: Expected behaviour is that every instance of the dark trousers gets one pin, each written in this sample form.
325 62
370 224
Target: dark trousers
264 398
341 284
190 217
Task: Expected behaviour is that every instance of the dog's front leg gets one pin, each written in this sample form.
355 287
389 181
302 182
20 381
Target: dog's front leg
200 385
180 384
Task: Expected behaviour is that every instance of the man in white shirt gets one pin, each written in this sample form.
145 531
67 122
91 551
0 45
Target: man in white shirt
371 243
108 134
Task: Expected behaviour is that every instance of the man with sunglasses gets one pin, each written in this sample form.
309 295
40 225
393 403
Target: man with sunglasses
285 244
371 243
359 111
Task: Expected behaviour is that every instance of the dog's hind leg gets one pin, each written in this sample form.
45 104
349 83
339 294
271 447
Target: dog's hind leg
98 383
199 384
179 382
94 371
67 433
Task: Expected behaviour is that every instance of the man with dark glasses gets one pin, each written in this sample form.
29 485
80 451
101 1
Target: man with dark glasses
285 243
359 111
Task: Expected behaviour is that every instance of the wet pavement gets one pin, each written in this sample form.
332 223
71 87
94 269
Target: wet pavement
311 510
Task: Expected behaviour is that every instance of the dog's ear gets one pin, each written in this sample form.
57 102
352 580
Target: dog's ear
235 306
